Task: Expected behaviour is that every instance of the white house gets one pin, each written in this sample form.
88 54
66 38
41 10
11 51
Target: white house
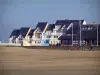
56 33
14 36
38 38
26 34
21 36
49 30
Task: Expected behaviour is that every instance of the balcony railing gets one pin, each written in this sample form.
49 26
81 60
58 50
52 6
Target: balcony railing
58 33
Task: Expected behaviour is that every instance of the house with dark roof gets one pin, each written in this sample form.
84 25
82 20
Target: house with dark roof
27 36
66 32
61 27
21 36
31 33
89 34
39 33
48 32
66 21
67 37
13 37
55 34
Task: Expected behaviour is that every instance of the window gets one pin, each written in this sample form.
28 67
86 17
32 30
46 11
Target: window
47 41
38 36
89 28
48 36
39 41
44 34
55 36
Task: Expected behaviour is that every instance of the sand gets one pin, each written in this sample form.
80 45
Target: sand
22 61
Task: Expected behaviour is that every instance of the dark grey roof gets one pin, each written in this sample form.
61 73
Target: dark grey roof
23 31
31 33
86 34
91 24
15 33
67 23
41 25
64 22
67 37
51 27
76 29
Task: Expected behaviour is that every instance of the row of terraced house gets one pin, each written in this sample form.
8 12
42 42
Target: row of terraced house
63 32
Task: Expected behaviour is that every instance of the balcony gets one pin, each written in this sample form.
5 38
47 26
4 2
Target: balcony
58 33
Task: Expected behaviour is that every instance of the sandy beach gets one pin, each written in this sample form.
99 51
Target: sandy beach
22 61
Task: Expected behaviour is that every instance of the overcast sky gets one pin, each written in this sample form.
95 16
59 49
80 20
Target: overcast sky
27 13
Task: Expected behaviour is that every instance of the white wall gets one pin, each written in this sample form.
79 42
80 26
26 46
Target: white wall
54 41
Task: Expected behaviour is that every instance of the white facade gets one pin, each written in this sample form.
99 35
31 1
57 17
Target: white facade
47 35
12 39
55 35
37 37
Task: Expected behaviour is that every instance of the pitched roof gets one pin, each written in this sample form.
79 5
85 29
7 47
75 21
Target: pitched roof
15 33
50 27
64 22
67 37
41 25
31 33
23 31
76 29
86 34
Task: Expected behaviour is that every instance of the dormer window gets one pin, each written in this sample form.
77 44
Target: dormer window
89 28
